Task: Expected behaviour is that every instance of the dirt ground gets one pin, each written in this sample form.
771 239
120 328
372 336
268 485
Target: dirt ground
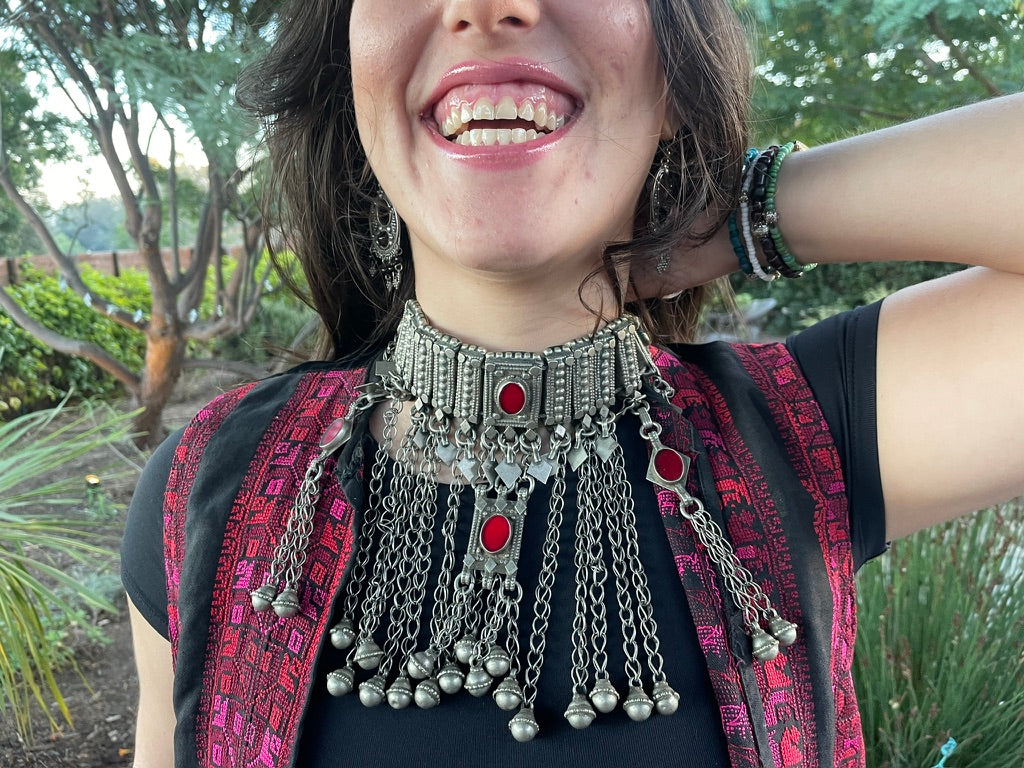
103 698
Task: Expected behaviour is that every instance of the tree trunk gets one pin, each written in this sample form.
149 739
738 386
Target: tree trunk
165 355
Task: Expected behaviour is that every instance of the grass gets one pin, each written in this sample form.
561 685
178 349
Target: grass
940 650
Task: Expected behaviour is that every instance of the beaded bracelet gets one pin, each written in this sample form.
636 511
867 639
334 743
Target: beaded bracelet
757 217
734 230
765 274
759 203
771 214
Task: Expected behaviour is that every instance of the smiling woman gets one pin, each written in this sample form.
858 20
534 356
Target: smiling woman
509 476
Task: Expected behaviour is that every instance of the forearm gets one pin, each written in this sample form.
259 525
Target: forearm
943 188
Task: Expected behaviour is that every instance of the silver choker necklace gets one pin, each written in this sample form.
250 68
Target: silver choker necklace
500 423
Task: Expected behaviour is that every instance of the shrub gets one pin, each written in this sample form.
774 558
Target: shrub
939 653
33 375
832 288
48 557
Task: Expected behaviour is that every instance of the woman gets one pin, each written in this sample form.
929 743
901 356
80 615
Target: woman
588 529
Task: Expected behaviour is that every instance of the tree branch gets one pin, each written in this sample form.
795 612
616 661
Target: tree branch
68 346
961 55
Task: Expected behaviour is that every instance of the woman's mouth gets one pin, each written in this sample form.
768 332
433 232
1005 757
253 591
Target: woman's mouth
498 115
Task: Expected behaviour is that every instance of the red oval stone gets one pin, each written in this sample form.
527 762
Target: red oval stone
669 464
332 432
495 533
512 398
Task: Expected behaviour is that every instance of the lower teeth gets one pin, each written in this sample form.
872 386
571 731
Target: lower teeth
487 137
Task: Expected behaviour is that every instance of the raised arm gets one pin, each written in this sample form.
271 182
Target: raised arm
951 351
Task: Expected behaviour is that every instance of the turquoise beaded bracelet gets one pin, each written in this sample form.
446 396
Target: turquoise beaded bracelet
772 214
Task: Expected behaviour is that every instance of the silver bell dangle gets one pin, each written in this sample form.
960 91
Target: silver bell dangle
343 634
263 597
341 682
783 631
451 678
421 665
400 693
666 700
368 655
603 696
428 693
580 712
286 604
372 692
508 695
638 705
524 725
478 682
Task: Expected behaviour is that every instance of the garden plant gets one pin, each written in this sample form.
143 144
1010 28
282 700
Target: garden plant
49 546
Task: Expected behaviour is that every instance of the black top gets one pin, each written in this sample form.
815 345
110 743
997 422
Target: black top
838 358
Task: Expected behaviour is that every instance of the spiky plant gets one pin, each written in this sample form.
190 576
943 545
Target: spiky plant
939 653
45 529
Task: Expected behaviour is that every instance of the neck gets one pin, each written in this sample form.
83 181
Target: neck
526 313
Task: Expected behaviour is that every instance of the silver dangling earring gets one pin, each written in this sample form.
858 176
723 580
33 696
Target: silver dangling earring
665 192
385 241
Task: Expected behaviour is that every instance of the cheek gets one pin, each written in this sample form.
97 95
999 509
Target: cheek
379 30
629 54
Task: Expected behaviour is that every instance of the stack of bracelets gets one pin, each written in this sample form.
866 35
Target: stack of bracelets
757 220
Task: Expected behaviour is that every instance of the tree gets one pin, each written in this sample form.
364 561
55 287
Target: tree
176 62
829 68
26 141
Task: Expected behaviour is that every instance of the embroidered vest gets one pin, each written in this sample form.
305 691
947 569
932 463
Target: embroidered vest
763 462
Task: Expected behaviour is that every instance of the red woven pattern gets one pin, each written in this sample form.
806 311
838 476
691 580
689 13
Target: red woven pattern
259 666
756 531
183 472
813 454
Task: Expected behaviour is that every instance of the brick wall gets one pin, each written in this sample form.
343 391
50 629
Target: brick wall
111 262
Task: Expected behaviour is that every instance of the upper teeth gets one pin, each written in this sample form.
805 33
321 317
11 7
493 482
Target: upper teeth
544 119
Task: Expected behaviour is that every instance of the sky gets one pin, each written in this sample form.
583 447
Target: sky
89 176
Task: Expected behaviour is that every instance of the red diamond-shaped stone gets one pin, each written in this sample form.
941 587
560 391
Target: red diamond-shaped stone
332 432
670 465
512 398
495 533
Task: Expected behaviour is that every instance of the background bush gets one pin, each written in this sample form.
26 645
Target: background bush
33 376
53 554
832 288
939 652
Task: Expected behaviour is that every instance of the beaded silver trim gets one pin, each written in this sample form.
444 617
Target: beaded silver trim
501 423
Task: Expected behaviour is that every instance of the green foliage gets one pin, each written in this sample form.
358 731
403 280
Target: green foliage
35 376
939 650
833 288
44 552
831 69
280 319
28 138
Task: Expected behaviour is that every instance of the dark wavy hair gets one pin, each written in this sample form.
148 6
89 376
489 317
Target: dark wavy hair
321 186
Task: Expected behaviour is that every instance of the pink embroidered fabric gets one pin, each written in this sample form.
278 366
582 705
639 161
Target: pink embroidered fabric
259 668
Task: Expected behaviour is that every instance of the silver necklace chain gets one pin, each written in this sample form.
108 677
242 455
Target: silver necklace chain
501 423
